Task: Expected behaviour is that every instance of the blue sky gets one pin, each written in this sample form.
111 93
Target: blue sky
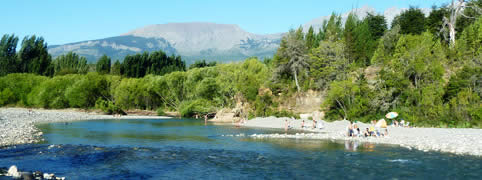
64 21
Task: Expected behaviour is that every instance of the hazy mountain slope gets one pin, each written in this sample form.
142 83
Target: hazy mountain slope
115 47
222 42
193 41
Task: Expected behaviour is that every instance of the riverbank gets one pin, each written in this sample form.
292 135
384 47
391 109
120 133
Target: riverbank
17 125
458 141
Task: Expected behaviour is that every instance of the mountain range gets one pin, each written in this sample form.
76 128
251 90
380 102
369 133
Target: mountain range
195 40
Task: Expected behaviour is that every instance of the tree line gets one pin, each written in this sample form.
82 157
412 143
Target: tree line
33 58
367 69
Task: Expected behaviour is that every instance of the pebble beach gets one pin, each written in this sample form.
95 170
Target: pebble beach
450 140
17 125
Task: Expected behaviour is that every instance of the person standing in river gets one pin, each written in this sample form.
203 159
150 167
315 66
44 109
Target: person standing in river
205 119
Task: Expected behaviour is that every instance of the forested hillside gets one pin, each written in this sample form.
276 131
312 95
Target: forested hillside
417 67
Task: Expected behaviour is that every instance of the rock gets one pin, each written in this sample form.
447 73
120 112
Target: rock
13 171
49 176
38 175
27 176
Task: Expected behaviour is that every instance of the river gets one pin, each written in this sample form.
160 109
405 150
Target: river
190 149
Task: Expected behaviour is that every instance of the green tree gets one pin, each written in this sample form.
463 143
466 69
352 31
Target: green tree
411 21
310 38
435 22
202 63
333 29
8 54
70 63
350 36
103 65
295 52
328 63
377 25
116 68
33 56
386 46
85 92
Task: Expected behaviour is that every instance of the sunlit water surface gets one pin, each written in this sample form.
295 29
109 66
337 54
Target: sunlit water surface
189 149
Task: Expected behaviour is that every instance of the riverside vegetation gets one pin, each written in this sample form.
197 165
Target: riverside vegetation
363 68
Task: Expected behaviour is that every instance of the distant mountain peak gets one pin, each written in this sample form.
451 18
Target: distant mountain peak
193 41
194 37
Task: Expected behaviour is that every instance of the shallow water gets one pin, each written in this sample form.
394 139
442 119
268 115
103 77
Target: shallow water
188 149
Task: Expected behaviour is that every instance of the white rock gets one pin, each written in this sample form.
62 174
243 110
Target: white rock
13 171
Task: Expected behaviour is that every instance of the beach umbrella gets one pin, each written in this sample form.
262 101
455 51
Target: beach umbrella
381 123
391 115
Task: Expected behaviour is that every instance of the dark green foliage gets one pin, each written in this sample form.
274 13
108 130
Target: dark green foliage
285 113
33 56
310 38
466 78
51 92
8 54
20 85
85 92
116 68
263 105
435 21
70 63
365 44
411 21
208 89
202 63
377 25
103 65
333 30
108 107
350 35
157 63
470 16
191 108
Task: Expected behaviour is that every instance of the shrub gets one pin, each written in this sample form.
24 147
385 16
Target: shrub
108 107
191 108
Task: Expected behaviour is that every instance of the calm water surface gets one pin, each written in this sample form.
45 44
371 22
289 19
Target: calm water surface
189 149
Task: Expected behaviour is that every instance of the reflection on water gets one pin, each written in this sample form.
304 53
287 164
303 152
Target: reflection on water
186 149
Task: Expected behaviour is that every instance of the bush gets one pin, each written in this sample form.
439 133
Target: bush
191 108
108 107
285 113
6 97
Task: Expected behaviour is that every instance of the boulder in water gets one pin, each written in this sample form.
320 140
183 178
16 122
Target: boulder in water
49 176
27 176
38 175
13 171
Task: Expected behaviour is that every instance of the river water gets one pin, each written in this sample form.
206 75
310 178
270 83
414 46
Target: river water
189 149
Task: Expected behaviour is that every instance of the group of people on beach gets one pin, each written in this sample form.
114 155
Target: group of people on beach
375 130
316 119
402 123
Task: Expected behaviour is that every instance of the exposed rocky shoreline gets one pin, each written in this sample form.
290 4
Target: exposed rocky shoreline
458 141
17 125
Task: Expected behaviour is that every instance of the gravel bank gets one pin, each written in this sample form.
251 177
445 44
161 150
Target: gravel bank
458 141
17 125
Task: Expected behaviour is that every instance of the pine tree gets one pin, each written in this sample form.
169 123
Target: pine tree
8 54
310 38
103 65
